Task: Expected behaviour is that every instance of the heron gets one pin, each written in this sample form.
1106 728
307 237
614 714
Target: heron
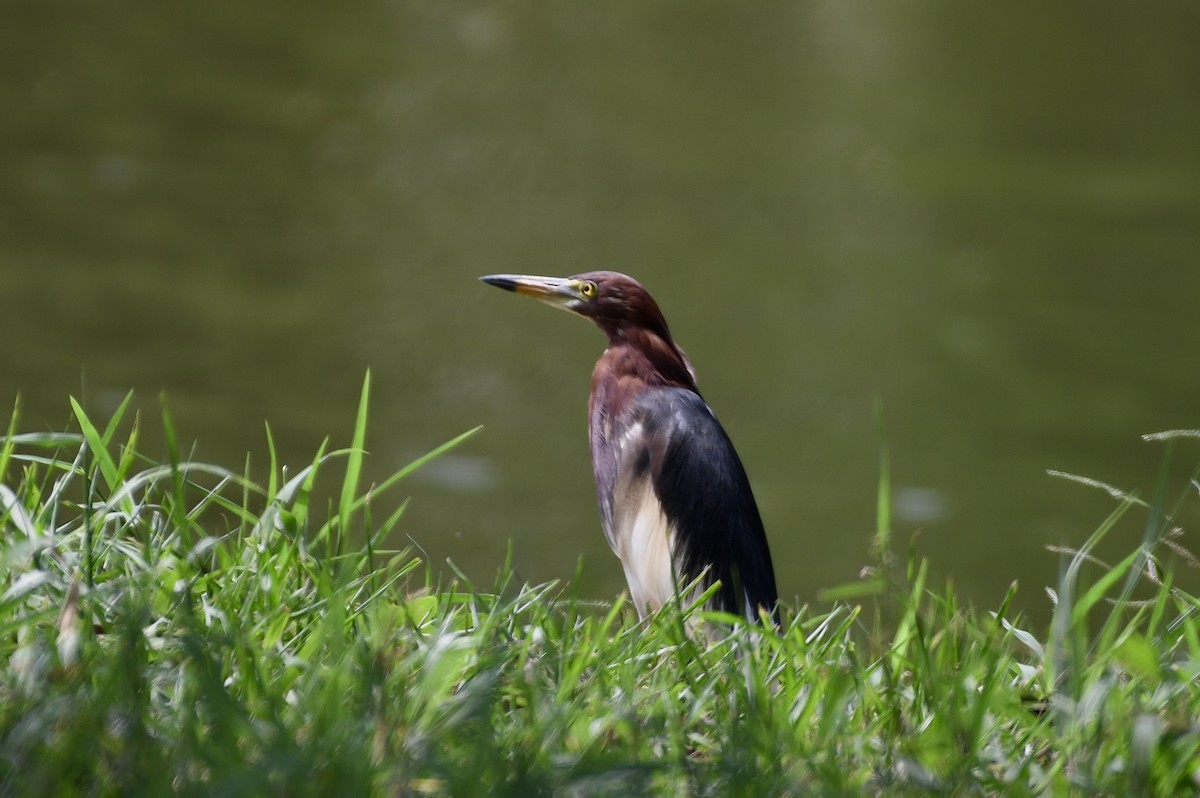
675 502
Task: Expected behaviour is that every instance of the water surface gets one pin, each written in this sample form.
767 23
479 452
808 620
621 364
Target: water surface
986 219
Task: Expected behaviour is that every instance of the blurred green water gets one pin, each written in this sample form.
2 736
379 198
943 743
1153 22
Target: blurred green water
988 218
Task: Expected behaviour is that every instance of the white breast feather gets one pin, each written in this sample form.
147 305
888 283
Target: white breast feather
645 551
641 535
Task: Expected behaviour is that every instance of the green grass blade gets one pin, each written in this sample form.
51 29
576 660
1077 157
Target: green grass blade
423 459
9 442
178 509
883 497
354 462
110 429
96 443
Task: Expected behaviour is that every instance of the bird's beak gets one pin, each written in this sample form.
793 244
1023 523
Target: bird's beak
559 292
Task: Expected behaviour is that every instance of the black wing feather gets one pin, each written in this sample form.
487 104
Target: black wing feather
706 496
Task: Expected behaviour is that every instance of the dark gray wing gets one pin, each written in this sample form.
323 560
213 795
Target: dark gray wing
705 496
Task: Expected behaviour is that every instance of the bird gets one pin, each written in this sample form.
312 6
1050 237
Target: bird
675 502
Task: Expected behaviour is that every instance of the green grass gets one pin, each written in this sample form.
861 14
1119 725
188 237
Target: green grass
177 627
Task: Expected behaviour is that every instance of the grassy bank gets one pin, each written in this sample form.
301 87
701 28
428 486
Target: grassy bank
176 627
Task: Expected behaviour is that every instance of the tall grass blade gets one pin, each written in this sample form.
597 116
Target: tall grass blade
354 461
178 506
98 446
883 498
9 442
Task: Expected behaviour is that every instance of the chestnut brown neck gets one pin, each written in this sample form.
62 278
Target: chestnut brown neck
635 361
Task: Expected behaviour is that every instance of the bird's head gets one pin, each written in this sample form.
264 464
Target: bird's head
616 302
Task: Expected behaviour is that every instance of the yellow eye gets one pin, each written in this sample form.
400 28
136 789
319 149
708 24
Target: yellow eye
588 290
